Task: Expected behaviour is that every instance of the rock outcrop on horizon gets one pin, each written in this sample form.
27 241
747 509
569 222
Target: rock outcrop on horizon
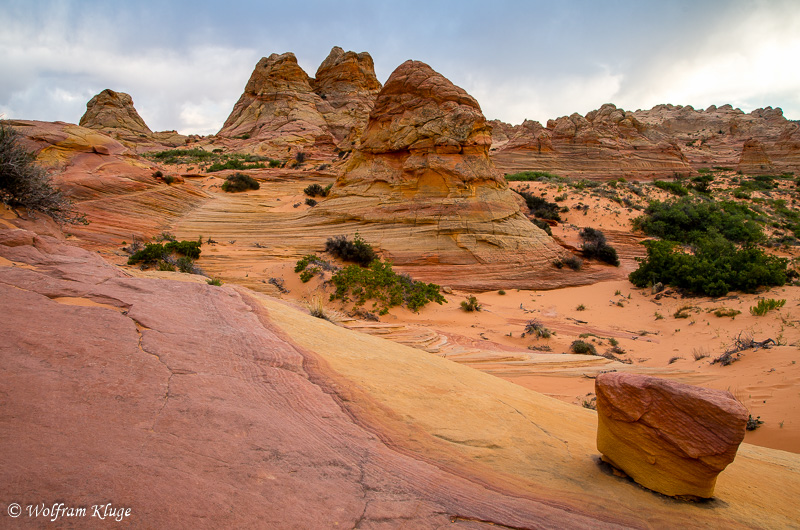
113 114
283 110
664 141
668 436
423 164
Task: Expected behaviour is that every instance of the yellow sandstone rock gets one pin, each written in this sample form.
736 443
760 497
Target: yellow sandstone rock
669 437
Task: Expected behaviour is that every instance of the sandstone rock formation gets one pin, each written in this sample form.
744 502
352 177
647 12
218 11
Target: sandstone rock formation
278 107
670 437
346 83
113 113
423 165
113 110
283 109
606 143
660 142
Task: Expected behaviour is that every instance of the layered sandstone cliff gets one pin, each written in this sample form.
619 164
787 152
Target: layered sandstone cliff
663 141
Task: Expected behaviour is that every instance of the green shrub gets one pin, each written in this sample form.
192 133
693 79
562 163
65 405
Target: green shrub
726 312
544 225
357 251
536 328
190 249
702 183
574 263
310 259
715 267
156 252
150 254
540 207
470 304
380 283
766 305
535 176
214 281
686 220
310 202
240 182
583 347
169 179
235 163
676 188
25 183
595 246
185 264
315 190
166 266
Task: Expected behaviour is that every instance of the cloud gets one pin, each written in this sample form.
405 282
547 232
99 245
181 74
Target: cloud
186 63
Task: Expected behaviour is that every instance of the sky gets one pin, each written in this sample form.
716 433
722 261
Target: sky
185 63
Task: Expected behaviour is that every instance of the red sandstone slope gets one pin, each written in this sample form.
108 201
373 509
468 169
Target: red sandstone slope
195 405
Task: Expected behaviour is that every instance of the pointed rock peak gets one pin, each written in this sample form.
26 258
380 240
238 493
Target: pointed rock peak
278 72
110 109
418 108
350 68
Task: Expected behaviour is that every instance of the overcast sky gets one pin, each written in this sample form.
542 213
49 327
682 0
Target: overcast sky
185 63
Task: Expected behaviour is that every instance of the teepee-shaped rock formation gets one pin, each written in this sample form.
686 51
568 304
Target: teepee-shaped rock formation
283 108
347 85
113 110
278 107
423 166
113 114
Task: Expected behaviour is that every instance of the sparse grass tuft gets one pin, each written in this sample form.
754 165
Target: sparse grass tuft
766 305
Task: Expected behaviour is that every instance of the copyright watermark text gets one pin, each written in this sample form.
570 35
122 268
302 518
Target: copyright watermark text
59 510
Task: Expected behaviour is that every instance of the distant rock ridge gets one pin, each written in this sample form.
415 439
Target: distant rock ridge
113 114
283 108
423 164
663 141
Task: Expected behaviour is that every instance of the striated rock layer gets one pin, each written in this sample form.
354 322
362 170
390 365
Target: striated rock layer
283 109
670 437
124 390
347 85
423 164
660 142
113 113
115 189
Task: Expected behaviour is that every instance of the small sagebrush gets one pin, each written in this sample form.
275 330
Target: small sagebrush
240 182
470 304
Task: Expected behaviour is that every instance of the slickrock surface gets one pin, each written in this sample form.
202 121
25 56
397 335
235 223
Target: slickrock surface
670 437
667 139
126 390
423 167
347 85
113 113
